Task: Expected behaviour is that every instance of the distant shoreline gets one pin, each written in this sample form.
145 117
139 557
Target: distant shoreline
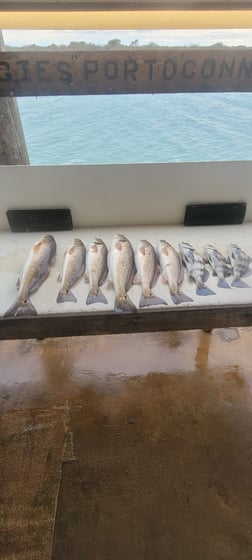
114 44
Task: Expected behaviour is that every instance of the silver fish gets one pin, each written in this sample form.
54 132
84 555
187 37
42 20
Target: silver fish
240 262
36 270
195 268
147 272
219 264
122 271
172 271
96 270
73 269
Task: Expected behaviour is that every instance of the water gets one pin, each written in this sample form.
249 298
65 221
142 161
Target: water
138 128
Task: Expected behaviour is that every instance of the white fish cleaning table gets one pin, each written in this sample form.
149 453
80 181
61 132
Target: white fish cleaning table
228 307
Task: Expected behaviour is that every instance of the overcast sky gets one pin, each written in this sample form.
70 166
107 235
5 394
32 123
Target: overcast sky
229 37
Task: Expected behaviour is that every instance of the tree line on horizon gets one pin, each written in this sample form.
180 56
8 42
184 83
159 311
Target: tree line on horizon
112 44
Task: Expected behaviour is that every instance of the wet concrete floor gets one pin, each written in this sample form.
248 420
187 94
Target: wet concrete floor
130 447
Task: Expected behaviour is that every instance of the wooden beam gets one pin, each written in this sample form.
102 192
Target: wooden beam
13 150
125 71
77 5
85 324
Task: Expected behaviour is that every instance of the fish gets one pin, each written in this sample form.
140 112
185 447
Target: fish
195 268
240 262
219 264
73 270
147 272
36 270
122 271
172 271
96 270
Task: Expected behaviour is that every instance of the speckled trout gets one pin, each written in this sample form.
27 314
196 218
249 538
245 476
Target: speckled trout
96 270
36 271
122 271
196 268
73 270
172 271
240 262
147 273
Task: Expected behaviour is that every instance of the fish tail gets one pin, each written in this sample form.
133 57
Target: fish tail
21 307
151 299
97 297
238 283
65 296
222 283
124 305
179 297
203 290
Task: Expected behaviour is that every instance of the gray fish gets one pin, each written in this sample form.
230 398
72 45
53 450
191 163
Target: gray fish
195 268
36 270
122 271
219 264
73 269
240 262
172 271
147 272
96 270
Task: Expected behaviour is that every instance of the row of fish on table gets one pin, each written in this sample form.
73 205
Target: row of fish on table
124 266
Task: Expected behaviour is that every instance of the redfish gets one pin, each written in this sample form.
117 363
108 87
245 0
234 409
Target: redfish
73 270
96 270
122 271
172 271
147 272
36 270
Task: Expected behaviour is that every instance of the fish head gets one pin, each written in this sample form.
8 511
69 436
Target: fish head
98 241
121 237
48 239
78 243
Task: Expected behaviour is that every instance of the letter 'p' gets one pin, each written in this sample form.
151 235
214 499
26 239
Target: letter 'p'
90 67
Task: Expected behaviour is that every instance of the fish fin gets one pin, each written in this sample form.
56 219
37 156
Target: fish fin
124 305
136 280
96 298
222 283
18 283
228 272
21 308
86 278
59 277
181 276
110 285
248 273
130 278
206 275
238 283
40 281
63 296
204 291
145 301
179 297
214 273
156 275
104 276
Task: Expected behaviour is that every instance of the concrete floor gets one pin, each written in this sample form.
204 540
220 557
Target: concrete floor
130 447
